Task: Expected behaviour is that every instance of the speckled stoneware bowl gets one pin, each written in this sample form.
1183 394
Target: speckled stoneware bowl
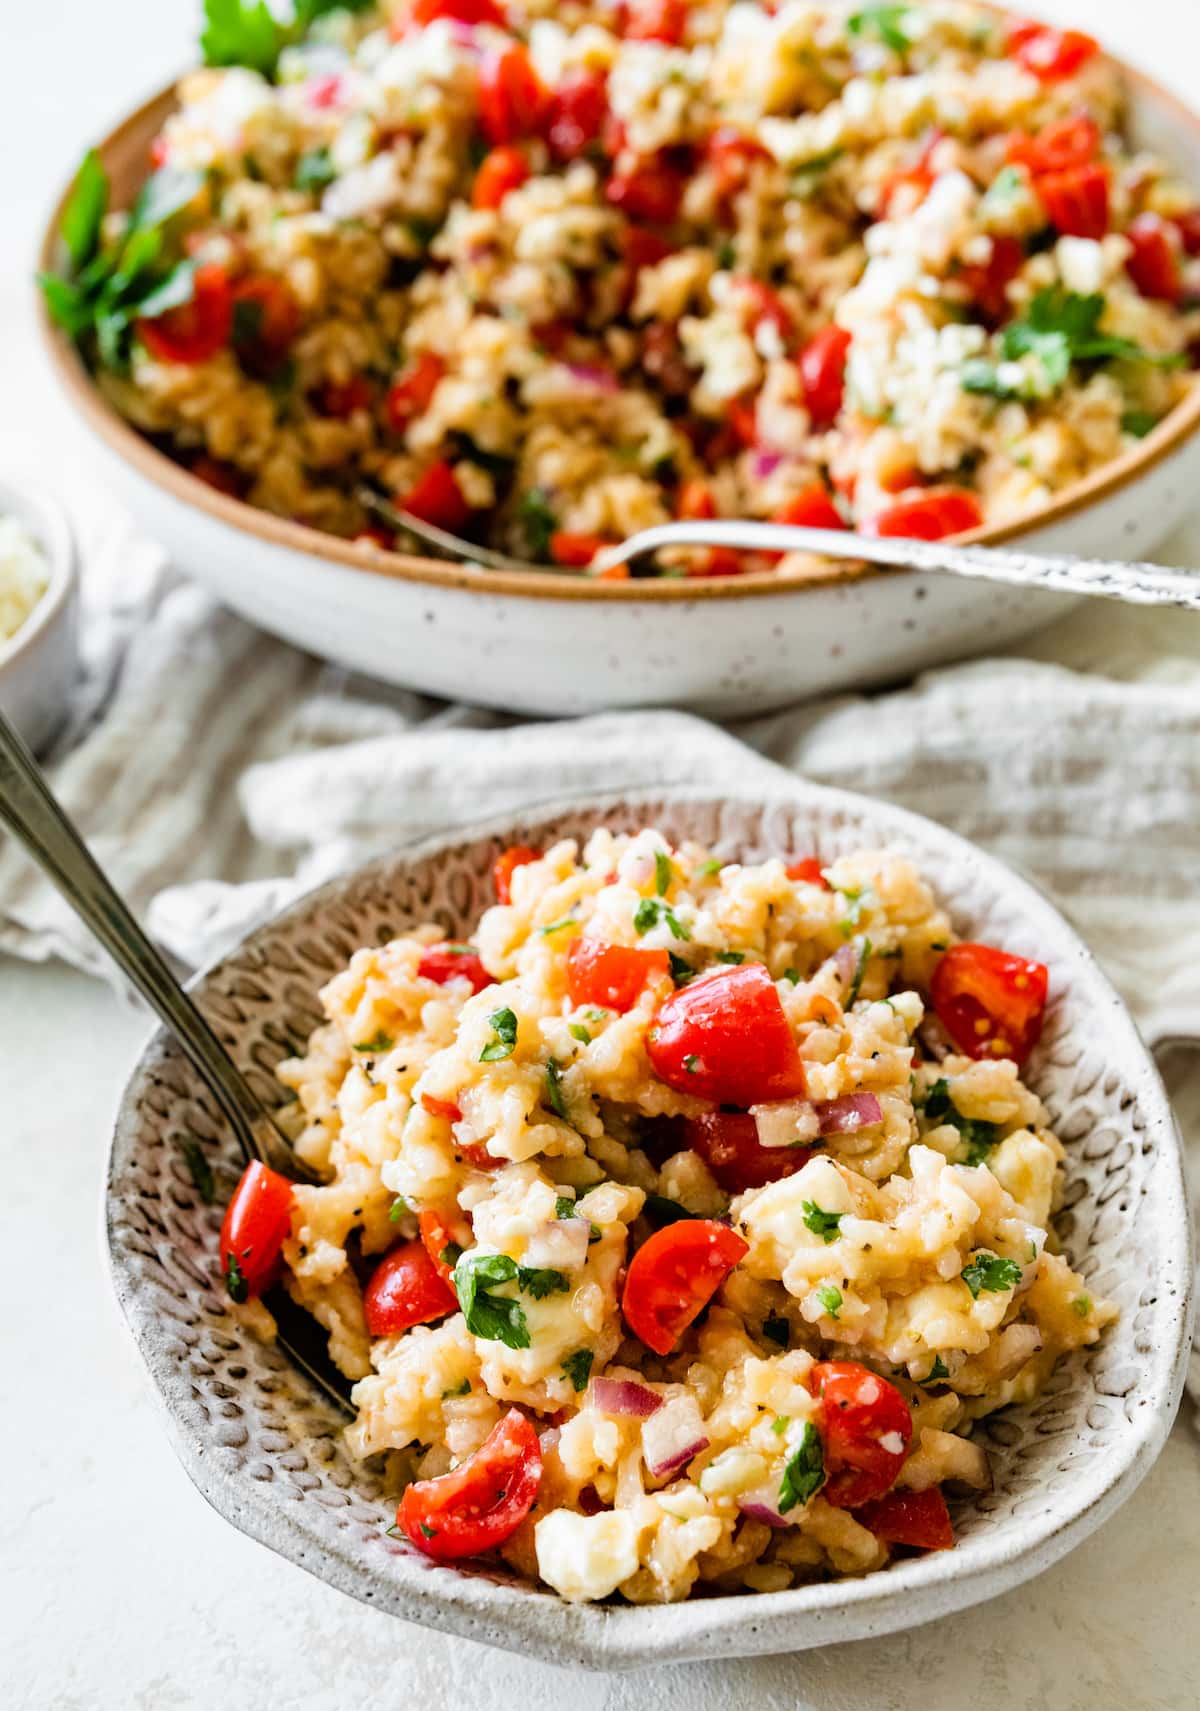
265 1449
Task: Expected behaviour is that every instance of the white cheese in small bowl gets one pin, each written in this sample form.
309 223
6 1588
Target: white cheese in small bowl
24 576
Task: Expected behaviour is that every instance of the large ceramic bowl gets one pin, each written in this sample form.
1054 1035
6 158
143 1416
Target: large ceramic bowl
264 1447
553 644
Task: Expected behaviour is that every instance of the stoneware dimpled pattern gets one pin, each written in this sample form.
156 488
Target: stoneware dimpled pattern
265 1450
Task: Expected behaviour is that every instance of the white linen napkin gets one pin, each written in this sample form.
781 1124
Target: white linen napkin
218 773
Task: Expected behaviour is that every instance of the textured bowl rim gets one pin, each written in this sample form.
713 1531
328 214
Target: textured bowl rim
178 483
602 1637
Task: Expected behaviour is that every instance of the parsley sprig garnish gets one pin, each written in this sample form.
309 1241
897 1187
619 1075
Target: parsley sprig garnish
235 1280
578 1368
1061 328
887 23
830 1297
651 910
199 1169
538 521
500 1318
821 1223
989 1274
805 1470
979 1137
247 32
504 1028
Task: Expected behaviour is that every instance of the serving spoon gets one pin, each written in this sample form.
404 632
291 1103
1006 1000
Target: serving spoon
1061 573
34 815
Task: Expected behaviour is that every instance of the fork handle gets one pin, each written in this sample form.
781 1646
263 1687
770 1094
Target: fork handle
1139 584
33 814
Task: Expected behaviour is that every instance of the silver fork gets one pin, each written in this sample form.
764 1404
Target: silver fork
1139 584
32 813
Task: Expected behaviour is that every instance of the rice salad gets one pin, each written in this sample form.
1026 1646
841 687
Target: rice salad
676 1230
545 274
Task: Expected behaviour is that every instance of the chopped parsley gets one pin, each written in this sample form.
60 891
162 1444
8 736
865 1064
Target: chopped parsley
663 874
235 1281
1082 1305
247 32
450 1254
379 1042
709 867
939 1370
554 1093
691 1063
777 1330
856 902
805 1470
578 1368
681 969
580 1033
1139 423
651 910
495 1318
979 1137
557 926
537 520
541 1281
596 1016
1061 328
780 1424
504 1027
821 1223
199 1169
463 1389
314 170
398 1209
889 24
989 1274
659 1210
734 957
830 1298
792 976
864 956
564 1207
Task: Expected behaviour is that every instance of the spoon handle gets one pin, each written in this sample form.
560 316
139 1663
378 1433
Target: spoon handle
33 815
1139 584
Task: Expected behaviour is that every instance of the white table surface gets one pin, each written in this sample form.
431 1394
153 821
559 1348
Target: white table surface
121 1589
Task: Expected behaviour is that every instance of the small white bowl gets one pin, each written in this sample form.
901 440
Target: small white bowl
37 665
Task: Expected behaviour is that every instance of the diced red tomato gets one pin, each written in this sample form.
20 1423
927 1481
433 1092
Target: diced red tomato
1065 143
918 178
196 330
480 1504
641 247
1154 264
256 1224
576 114
611 975
823 374
405 1290
505 865
436 498
728 1143
476 1154
716 561
808 869
448 961
651 191
931 516
991 1004
342 398
424 12
695 503
1050 54
767 305
441 1235
574 549
812 508
512 99
502 170
742 417
1188 227
725 1037
674 1275
411 393
917 1518
441 1107
266 318
217 474
655 21
1076 201
159 152
988 281
731 154
866 1428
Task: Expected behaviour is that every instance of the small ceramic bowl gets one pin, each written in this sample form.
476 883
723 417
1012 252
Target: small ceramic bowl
266 1450
37 665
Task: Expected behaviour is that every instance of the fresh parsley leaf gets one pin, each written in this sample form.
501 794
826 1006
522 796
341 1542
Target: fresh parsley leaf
537 520
379 1042
1082 1305
830 1298
651 910
1139 423
707 868
578 1368
235 1281
241 32
662 872
85 210
979 1137
580 1033
450 1255
427 1531
864 957
504 1027
314 170
564 1207
540 1281
554 1092
887 23
660 1211
856 902
495 1318
66 304
792 976
937 1371
596 1015
166 193
398 1209
805 1471
463 1389
777 1330
780 1424
821 1223
199 1169
1063 327
691 1062
681 969
988 1273
557 926
734 957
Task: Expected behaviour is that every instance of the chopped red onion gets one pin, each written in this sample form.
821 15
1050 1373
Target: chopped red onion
852 1111
624 1396
599 379
672 1436
845 960
764 464
758 1510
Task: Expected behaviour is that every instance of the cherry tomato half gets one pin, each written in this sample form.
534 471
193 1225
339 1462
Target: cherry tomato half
341 398
1048 53
441 1235
449 961
917 1518
865 1427
988 281
730 155
990 1003
576 113
196 330
256 1224
441 1107
611 975
512 100
411 393
1065 143
483 1502
505 865
930 517
436 498
808 868
501 170
656 21
266 318
651 191
425 12
406 1289
823 374
676 1274
1154 264
728 1143
575 549
812 508
725 1038
1076 200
